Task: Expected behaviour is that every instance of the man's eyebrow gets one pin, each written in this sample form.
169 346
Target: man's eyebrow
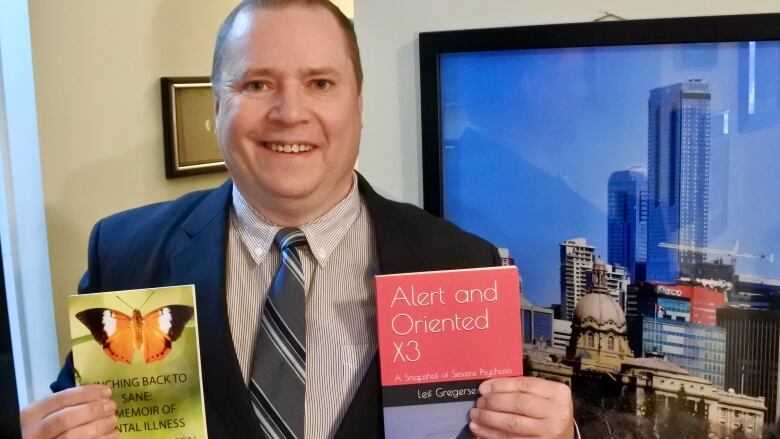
259 72
310 71
320 71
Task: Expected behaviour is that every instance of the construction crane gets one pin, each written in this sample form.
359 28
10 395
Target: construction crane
733 254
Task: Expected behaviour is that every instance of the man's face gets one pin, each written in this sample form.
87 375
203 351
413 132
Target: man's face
288 85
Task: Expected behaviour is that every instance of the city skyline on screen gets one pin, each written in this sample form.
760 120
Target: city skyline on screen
531 139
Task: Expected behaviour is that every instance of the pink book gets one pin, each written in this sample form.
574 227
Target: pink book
441 334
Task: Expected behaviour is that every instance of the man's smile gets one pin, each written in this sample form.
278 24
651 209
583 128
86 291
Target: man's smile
292 148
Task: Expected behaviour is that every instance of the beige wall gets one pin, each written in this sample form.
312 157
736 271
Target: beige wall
97 69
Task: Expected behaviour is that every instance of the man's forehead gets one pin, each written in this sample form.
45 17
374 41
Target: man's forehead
242 23
260 20
270 30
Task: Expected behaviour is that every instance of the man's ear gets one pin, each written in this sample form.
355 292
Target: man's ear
216 101
216 109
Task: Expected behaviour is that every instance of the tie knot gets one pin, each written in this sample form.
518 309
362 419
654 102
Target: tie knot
289 237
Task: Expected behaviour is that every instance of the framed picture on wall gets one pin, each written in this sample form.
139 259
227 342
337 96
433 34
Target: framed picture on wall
188 127
629 169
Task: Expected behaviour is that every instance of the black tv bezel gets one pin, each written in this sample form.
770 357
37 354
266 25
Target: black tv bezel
713 29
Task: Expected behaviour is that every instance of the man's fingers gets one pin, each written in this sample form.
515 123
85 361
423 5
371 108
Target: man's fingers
498 425
67 398
525 404
100 428
533 385
523 407
88 419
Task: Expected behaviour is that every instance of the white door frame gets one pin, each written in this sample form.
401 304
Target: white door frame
22 216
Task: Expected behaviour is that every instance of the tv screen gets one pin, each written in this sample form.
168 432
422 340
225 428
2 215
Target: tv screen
646 153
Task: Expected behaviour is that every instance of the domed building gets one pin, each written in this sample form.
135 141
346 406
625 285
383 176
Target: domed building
601 369
599 330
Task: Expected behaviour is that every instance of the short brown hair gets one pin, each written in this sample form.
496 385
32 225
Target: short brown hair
249 5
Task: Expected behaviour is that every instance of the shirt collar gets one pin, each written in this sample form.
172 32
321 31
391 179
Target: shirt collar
322 234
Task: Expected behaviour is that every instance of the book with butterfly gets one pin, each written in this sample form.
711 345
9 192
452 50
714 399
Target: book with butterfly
144 345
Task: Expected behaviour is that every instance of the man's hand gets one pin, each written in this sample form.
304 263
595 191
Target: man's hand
83 412
523 407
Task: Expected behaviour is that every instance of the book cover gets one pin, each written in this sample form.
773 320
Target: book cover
144 345
441 334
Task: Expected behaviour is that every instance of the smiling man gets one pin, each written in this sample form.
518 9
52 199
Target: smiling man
288 107
283 254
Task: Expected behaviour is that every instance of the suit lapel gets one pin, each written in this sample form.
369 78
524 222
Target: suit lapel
199 259
398 251
395 243
364 417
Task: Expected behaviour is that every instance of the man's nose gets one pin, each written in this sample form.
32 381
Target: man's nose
288 107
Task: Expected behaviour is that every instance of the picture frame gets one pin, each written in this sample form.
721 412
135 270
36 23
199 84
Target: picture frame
190 145
582 151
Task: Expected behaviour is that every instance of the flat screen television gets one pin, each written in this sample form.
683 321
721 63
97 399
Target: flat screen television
652 146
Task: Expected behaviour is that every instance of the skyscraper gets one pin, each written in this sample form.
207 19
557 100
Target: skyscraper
537 323
678 179
753 354
668 321
617 282
627 221
577 262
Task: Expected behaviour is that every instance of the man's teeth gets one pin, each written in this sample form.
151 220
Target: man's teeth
292 148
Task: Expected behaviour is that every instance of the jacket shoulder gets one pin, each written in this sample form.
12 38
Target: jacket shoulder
131 249
411 239
431 229
153 219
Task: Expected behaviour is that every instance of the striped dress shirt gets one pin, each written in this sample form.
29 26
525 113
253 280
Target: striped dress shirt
339 262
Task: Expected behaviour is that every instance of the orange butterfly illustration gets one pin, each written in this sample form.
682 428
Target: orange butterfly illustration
152 334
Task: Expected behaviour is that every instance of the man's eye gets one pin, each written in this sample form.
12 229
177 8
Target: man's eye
256 86
321 84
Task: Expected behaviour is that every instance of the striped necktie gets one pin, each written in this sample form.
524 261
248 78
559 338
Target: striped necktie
278 381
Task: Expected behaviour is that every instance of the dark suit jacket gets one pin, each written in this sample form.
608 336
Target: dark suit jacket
183 242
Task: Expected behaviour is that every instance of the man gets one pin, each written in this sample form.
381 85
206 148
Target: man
288 102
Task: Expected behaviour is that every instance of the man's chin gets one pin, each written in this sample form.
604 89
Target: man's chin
300 189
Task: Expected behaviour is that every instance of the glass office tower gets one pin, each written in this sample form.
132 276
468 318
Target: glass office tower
627 221
678 179
537 323
753 354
